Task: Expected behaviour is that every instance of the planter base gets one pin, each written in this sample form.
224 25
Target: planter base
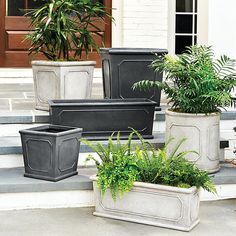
187 229
213 171
51 178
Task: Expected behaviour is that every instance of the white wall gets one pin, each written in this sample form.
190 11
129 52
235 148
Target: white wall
222 27
140 23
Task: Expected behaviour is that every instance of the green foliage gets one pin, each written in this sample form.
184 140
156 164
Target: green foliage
157 167
199 83
62 28
120 168
117 170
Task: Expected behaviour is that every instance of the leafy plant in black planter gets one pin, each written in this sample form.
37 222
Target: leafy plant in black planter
196 84
148 177
62 33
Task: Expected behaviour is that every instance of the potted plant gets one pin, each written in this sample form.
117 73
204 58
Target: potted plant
147 186
122 67
62 33
196 84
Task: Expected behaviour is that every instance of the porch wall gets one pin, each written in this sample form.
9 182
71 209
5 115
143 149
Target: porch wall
140 23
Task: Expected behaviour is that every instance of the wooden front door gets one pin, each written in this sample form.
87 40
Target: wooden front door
14 26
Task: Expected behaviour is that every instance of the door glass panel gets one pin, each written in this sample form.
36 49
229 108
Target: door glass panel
32 4
181 42
18 7
195 5
184 24
14 7
184 5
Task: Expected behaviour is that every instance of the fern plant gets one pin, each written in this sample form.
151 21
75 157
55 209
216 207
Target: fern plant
117 170
62 28
120 167
195 81
157 167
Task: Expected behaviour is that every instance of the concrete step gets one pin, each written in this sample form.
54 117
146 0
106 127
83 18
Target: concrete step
24 117
11 150
228 114
16 160
19 192
12 144
12 180
34 116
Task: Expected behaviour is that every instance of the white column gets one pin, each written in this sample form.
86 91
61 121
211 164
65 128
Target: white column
203 22
171 26
222 29
117 25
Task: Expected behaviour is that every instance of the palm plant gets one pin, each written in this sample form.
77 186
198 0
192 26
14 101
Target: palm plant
195 81
61 28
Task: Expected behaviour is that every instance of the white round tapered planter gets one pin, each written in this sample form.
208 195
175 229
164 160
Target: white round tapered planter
61 80
151 204
202 133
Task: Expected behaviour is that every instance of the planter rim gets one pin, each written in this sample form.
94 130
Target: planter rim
37 130
99 102
133 51
63 63
173 113
158 186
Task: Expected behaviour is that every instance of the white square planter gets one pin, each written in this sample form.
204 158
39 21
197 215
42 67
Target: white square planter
152 204
61 80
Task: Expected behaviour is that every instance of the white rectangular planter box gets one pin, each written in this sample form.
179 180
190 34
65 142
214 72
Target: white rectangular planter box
151 204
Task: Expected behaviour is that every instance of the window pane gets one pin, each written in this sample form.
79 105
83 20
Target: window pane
195 39
15 7
32 4
101 1
195 24
184 5
181 42
195 5
184 24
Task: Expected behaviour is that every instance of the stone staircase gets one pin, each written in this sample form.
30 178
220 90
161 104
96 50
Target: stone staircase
18 192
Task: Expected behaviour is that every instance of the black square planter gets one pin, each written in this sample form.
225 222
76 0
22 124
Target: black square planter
50 152
122 67
100 118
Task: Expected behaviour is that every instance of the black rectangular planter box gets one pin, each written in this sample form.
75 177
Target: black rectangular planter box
50 152
122 67
100 118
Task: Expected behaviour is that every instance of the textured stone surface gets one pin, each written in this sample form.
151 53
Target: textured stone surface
12 145
202 134
139 205
61 80
217 218
13 181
